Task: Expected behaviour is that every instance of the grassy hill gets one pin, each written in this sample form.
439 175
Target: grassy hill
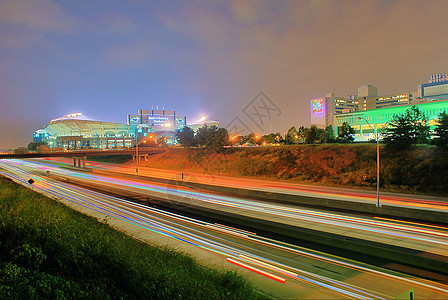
49 251
423 170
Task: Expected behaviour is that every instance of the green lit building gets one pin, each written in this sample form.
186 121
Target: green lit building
378 118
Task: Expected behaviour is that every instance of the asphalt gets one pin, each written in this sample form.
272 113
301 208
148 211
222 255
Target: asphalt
358 278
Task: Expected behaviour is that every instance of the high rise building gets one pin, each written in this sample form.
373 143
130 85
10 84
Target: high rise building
367 91
434 91
325 111
437 78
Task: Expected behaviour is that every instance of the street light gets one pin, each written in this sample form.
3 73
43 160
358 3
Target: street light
377 161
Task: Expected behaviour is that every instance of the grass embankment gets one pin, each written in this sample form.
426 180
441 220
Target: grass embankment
49 251
423 170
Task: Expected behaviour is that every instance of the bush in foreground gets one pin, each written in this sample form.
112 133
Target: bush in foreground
50 251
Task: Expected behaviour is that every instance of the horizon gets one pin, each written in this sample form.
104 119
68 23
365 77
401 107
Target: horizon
108 59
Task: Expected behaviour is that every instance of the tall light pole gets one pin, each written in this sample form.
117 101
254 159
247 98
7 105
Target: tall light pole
377 161
136 153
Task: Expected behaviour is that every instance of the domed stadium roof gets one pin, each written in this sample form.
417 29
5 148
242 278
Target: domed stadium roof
86 128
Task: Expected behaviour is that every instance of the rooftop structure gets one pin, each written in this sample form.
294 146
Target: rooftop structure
367 90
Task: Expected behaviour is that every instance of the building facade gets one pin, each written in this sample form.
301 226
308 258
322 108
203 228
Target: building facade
434 91
330 109
153 126
378 118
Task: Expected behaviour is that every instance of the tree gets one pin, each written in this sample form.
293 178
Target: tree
204 135
251 139
329 134
406 130
270 138
212 137
441 131
291 136
185 137
241 140
346 133
301 133
279 138
312 135
33 146
220 139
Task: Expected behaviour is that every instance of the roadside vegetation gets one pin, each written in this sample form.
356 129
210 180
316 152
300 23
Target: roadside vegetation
49 251
423 169
408 162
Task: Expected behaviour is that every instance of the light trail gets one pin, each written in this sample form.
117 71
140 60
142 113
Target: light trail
371 225
225 241
260 185
302 189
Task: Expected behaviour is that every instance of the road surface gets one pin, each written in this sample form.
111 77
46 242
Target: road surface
285 270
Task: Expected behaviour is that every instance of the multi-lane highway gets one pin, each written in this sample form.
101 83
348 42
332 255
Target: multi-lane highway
421 202
293 271
425 239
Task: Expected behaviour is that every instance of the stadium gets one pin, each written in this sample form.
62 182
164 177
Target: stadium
153 126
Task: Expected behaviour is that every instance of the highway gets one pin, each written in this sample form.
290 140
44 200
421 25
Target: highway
423 202
426 239
293 271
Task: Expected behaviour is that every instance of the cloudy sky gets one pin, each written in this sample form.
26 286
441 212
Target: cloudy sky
108 58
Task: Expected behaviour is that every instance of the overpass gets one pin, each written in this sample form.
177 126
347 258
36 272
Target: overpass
81 155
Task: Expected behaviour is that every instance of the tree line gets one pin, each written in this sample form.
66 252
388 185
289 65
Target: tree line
403 132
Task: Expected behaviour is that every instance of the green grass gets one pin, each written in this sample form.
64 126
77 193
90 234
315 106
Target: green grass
48 251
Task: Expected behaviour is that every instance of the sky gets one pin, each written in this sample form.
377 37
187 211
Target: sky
108 58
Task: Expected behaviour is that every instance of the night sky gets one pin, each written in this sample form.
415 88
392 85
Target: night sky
110 58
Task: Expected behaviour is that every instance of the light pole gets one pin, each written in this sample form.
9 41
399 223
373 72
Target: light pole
136 153
377 162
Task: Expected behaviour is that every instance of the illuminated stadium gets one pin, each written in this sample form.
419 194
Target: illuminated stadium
73 132
77 134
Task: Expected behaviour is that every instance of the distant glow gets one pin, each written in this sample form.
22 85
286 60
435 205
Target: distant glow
203 119
67 116
72 115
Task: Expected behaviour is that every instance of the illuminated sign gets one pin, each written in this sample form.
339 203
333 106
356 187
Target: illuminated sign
318 107
157 119
135 119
